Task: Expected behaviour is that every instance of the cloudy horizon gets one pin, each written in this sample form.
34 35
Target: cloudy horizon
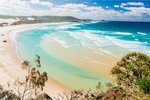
84 9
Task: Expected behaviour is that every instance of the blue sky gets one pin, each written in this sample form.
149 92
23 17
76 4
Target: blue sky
130 10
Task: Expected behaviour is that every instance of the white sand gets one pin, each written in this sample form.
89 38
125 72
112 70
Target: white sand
9 21
10 65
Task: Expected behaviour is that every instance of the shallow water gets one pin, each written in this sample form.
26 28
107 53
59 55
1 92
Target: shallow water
65 48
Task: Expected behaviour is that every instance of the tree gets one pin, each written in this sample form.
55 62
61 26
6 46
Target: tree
7 94
38 61
33 82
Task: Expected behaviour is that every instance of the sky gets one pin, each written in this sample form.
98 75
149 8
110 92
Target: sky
127 10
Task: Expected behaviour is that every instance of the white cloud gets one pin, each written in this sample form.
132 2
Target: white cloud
42 3
132 4
137 11
20 7
136 3
15 7
123 4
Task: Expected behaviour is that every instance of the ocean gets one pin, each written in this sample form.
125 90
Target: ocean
79 54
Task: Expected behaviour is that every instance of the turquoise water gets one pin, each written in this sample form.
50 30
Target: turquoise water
111 38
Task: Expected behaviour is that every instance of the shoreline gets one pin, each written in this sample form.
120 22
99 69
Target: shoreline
52 88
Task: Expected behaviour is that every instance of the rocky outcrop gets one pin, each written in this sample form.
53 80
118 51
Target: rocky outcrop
43 96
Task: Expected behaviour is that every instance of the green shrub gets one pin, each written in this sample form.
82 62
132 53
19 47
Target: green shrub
144 84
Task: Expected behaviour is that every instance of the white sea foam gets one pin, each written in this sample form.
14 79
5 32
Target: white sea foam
146 42
87 39
136 39
52 38
133 35
123 43
141 33
130 45
80 38
122 33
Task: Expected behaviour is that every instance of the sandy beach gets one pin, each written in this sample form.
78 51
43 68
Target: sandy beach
10 65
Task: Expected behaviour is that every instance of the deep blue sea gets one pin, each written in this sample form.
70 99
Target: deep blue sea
78 55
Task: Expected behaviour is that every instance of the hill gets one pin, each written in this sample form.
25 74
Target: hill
16 20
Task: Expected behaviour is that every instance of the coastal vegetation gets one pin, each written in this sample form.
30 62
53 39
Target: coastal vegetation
133 69
132 74
30 86
38 19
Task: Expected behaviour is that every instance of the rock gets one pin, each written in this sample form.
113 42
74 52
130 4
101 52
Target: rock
2 35
43 96
4 40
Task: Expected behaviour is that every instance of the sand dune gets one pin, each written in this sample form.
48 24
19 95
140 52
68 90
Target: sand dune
8 21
